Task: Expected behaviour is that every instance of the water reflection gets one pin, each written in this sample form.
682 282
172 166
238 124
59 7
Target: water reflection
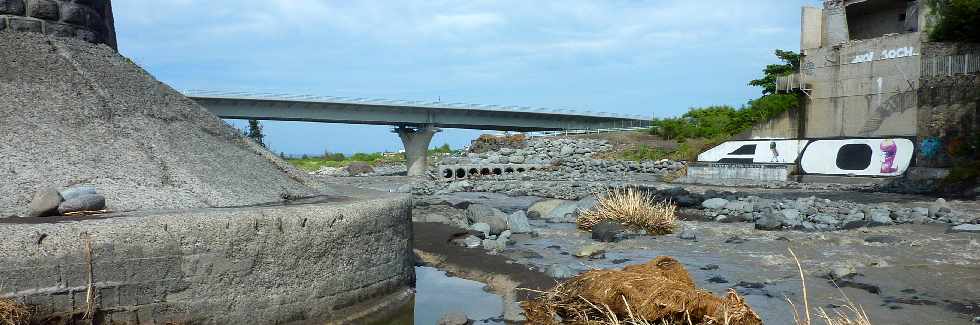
438 294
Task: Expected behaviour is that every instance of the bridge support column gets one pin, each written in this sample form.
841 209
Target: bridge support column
416 141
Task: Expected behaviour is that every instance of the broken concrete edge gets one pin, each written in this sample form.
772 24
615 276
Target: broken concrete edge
249 265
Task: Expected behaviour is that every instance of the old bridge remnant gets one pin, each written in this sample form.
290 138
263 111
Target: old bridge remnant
201 219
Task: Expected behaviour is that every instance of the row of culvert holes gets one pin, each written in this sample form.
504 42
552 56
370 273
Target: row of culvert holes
473 172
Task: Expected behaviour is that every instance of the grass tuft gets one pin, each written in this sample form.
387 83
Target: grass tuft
632 208
13 313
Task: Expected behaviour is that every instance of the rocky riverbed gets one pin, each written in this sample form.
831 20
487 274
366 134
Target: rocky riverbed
907 259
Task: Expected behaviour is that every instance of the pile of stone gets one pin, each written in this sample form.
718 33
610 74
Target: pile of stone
491 228
51 202
361 169
812 214
568 156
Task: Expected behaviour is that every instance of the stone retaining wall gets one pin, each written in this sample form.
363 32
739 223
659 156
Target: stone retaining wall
289 264
90 20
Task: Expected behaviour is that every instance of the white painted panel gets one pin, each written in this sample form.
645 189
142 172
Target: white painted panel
882 157
766 151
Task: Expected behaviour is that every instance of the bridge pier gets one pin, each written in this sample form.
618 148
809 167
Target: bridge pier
416 141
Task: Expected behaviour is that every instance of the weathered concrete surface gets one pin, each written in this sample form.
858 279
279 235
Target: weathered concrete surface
78 113
759 172
309 263
89 20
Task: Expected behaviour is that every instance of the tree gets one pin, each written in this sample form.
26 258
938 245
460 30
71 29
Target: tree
255 132
956 21
790 65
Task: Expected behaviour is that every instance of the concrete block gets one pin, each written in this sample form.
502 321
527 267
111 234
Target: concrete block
60 30
79 15
43 9
24 25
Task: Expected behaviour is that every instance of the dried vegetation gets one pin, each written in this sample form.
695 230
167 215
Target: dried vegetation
632 208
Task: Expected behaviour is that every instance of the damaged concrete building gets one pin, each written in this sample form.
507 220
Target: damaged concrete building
875 89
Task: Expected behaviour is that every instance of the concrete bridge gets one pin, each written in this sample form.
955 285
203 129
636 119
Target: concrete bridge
415 122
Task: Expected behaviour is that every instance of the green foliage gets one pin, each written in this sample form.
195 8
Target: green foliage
441 149
333 156
723 121
366 157
254 132
790 65
956 21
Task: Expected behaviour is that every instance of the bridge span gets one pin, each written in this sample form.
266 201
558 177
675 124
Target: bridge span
415 122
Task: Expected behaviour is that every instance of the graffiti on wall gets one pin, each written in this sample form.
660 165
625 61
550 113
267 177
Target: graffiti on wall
860 157
930 147
882 110
756 151
887 54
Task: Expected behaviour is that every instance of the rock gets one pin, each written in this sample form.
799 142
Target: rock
74 192
791 218
482 228
841 271
688 234
879 217
936 206
507 204
883 239
88 202
454 318
516 159
824 218
968 228
494 245
359 168
559 271
459 186
715 203
769 221
567 151
469 241
608 232
45 203
543 208
564 213
513 314
591 251
479 213
518 224
587 203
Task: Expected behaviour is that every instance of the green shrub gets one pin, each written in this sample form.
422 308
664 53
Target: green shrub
956 21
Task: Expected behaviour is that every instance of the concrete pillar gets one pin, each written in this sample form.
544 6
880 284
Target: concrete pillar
416 141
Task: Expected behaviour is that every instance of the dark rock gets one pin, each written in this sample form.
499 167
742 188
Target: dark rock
608 232
24 25
855 224
88 202
45 203
518 224
859 285
620 260
710 267
11 7
735 240
769 221
967 228
688 234
554 247
750 285
359 168
882 239
479 213
717 279
74 192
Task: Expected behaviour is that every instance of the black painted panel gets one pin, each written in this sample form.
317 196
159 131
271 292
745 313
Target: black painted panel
854 157
748 149
736 161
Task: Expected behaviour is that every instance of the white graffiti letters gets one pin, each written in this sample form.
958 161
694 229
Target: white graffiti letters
885 55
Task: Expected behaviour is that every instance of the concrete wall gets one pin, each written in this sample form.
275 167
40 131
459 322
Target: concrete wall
756 172
783 126
949 120
88 20
864 88
811 25
291 264
875 18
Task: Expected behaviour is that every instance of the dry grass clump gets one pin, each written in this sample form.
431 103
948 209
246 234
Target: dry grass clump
860 317
13 313
658 292
632 208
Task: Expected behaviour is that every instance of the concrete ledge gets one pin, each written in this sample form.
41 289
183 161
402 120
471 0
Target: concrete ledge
754 172
286 264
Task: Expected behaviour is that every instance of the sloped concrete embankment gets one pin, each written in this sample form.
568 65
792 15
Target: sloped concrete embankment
329 262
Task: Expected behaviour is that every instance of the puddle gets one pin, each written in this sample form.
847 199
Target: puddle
438 294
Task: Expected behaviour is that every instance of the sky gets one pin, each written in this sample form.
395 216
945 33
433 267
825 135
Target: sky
652 58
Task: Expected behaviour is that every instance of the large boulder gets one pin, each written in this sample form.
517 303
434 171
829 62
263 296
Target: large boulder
518 223
502 202
359 168
45 203
86 202
566 212
715 203
479 213
769 221
608 231
543 208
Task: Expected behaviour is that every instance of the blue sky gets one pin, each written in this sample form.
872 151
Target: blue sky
625 56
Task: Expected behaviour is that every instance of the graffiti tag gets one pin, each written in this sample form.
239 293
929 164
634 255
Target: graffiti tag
885 55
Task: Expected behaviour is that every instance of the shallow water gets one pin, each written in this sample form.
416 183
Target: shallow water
438 294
